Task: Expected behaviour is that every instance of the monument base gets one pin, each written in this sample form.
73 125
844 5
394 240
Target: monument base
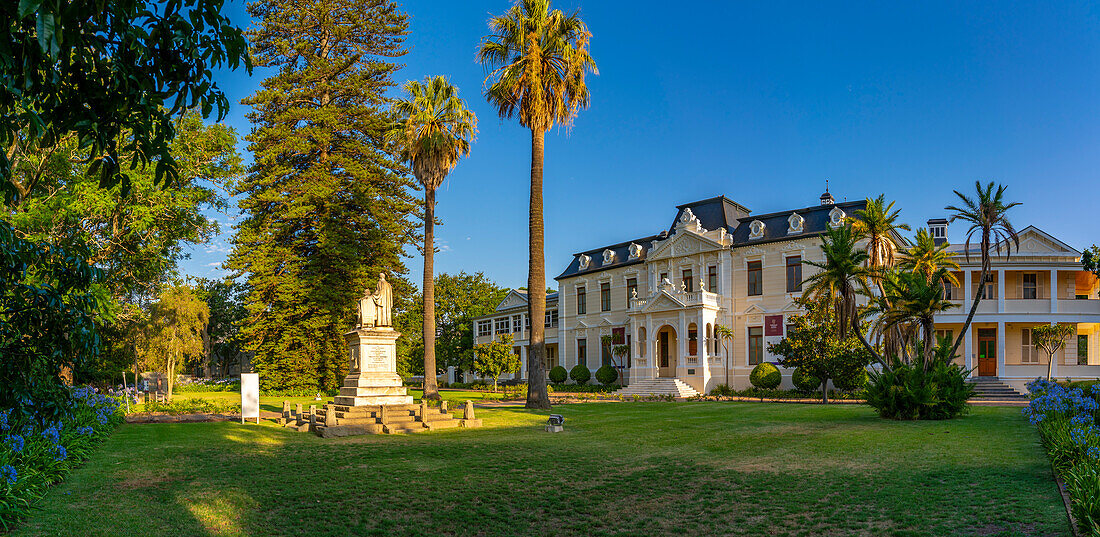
373 380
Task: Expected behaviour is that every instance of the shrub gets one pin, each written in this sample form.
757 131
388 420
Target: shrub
766 376
723 390
852 382
558 374
580 374
804 382
606 375
180 405
908 392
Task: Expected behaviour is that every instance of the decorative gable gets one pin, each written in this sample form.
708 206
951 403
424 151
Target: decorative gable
689 222
795 223
756 229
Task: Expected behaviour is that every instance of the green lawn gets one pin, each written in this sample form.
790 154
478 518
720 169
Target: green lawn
619 469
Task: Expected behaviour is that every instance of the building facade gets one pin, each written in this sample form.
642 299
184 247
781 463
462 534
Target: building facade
510 317
662 295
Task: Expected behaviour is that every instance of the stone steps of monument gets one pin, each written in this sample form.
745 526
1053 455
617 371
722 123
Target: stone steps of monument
394 428
437 416
442 424
658 386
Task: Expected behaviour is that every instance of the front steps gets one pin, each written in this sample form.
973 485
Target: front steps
658 386
335 420
992 389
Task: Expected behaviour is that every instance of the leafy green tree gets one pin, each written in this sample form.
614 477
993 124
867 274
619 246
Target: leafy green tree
175 332
48 300
434 130
135 237
458 299
327 206
987 214
537 60
1091 259
109 76
813 344
222 344
841 277
496 358
1052 338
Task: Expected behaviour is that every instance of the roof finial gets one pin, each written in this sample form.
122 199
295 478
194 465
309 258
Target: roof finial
827 198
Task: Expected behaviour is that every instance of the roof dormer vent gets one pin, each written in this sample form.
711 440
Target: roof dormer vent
827 198
937 228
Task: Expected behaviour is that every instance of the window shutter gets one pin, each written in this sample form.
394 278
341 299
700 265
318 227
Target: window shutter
1019 285
1041 280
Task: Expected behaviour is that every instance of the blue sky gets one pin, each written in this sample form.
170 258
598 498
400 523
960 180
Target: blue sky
763 102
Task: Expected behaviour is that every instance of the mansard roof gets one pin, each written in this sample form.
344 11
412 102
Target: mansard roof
713 213
621 259
814 218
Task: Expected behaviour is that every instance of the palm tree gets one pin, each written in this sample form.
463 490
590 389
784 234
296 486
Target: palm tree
841 276
434 129
537 60
877 224
987 215
914 298
926 257
725 336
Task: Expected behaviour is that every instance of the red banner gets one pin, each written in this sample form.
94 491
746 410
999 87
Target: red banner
773 325
618 336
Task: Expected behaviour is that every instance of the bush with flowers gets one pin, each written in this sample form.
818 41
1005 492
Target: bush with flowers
37 451
1067 423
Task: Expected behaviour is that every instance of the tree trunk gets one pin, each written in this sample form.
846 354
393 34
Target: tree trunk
825 391
977 295
431 387
536 284
929 341
1050 365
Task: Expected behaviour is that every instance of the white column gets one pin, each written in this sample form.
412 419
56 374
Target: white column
968 349
681 341
1000 290
523 361
1053 291
1001 338
968 291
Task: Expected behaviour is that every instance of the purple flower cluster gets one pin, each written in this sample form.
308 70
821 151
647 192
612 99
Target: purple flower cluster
85 430
1077 409
15 442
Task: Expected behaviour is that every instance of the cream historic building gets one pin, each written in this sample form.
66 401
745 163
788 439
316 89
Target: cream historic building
718 264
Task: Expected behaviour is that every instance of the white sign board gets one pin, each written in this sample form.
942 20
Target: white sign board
250 396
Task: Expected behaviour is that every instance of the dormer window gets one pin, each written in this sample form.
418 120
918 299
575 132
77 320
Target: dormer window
585 261
756 229
608 256
836 217
795 223
937 229
636 250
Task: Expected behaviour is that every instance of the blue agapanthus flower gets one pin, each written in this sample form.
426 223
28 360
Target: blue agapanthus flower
15 442
4 425
9 473
87 429
52 433
62 454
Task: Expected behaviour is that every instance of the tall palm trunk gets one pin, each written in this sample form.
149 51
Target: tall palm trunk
536 284
929 327
431 387
986 263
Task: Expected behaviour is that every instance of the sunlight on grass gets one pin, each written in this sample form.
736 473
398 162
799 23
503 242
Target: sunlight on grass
220 512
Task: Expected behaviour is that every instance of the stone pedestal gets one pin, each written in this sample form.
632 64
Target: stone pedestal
372 377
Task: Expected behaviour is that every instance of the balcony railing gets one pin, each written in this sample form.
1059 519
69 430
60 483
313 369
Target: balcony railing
689 299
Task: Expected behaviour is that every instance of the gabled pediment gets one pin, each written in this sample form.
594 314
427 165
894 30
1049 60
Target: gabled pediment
1034 241
513 299
607 322
791 306
684 242
754 309
582 324
663 302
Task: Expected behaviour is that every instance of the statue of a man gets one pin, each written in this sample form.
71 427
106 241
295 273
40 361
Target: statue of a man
383 302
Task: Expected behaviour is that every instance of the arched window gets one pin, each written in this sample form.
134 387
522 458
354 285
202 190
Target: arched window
710 338
642 343
693 340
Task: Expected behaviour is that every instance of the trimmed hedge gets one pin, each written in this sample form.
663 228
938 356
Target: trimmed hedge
580 374
606 375
558 374
766 376
851 383
805 382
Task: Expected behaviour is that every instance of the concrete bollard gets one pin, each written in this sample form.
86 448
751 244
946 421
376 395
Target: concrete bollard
285 416
330 415
298 414
443 407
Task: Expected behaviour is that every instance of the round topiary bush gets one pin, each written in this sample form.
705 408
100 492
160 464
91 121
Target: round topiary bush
766 376
805 382
854 381
558 374
580 374
606 375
